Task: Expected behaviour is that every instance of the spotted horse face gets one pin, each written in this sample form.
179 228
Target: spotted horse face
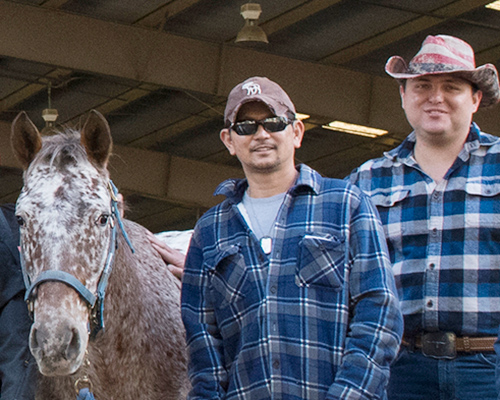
64 212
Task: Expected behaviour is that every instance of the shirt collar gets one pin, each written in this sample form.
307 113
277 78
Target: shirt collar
234 189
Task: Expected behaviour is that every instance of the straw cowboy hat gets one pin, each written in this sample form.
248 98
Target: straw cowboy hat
444 54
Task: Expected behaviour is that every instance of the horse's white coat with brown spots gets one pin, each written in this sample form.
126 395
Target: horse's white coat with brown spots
64 206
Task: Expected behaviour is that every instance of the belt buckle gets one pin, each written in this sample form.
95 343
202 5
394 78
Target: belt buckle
439 345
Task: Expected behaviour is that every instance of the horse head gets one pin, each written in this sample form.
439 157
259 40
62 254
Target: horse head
66 223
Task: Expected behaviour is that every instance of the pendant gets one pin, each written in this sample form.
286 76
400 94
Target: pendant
266 243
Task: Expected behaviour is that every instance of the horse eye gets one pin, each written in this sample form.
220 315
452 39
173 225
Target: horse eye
102 220
20 220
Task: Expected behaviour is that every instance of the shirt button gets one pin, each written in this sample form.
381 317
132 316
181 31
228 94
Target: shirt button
276 364
432 266
430 303
273 289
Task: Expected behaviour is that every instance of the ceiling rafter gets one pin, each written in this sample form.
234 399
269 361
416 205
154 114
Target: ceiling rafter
54 3
120 100
175 129
295 15
27 90
155 19
489 55
399 32
158 17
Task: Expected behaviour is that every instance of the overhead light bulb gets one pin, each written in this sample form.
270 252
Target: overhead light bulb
50 115
355 129
251 31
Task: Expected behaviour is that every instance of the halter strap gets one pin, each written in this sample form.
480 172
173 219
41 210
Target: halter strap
64 277
116 213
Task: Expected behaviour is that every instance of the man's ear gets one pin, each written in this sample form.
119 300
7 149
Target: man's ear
225 136
298 133
477 96
402 94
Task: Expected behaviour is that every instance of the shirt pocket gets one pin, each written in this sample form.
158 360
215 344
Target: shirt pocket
483 205
483 189
382 199
391 211
321 261
228 275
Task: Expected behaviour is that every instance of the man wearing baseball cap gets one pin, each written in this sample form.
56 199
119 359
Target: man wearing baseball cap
287 290
438 195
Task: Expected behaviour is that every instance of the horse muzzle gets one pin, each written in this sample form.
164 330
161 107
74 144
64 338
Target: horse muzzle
58 348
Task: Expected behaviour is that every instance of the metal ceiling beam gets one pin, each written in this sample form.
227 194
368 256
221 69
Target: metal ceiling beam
452 10
54 3
178 127
158 17
81 43
155 19
119 101
28 89
295 15
491 55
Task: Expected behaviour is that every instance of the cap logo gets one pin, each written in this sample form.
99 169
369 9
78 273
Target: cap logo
252 88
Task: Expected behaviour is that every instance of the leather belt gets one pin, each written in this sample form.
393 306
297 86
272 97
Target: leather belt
447 345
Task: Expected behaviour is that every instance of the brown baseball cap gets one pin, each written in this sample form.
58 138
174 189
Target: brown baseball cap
261 89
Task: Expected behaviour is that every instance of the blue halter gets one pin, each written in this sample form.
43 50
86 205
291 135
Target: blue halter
94 301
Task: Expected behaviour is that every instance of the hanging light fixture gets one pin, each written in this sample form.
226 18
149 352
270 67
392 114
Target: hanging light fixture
49 114
251 31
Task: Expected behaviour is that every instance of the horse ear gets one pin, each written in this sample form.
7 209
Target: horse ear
96 138
25 139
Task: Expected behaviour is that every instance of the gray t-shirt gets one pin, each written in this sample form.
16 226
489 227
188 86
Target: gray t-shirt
261 213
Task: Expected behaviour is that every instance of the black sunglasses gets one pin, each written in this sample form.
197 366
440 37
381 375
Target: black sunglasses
249 127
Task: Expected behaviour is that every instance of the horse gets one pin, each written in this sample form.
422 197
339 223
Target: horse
106 310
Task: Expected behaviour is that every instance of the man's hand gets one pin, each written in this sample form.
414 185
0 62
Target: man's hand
172 257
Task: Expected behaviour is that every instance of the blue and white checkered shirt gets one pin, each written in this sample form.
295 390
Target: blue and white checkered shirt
316 319
444 239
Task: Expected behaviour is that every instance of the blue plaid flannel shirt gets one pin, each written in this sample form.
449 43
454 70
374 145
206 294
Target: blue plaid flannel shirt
316 319
444 239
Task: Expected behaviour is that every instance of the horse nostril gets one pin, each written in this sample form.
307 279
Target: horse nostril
33 338
36 339
73 348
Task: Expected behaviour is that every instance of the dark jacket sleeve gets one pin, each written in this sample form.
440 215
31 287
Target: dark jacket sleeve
17 368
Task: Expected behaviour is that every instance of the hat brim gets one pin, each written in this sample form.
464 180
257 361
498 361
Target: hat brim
484 77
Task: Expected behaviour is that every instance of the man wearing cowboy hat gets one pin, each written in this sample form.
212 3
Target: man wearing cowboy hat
438 195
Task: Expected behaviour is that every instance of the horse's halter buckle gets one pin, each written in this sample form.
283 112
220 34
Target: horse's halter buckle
84 382
95 301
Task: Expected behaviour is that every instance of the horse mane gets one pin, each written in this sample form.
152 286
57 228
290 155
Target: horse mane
60 149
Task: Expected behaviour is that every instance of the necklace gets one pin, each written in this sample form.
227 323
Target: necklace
266 240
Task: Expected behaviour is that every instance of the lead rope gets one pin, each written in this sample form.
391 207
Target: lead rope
84 394
83 385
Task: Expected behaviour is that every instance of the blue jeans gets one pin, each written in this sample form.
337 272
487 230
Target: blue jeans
497 350
467 377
